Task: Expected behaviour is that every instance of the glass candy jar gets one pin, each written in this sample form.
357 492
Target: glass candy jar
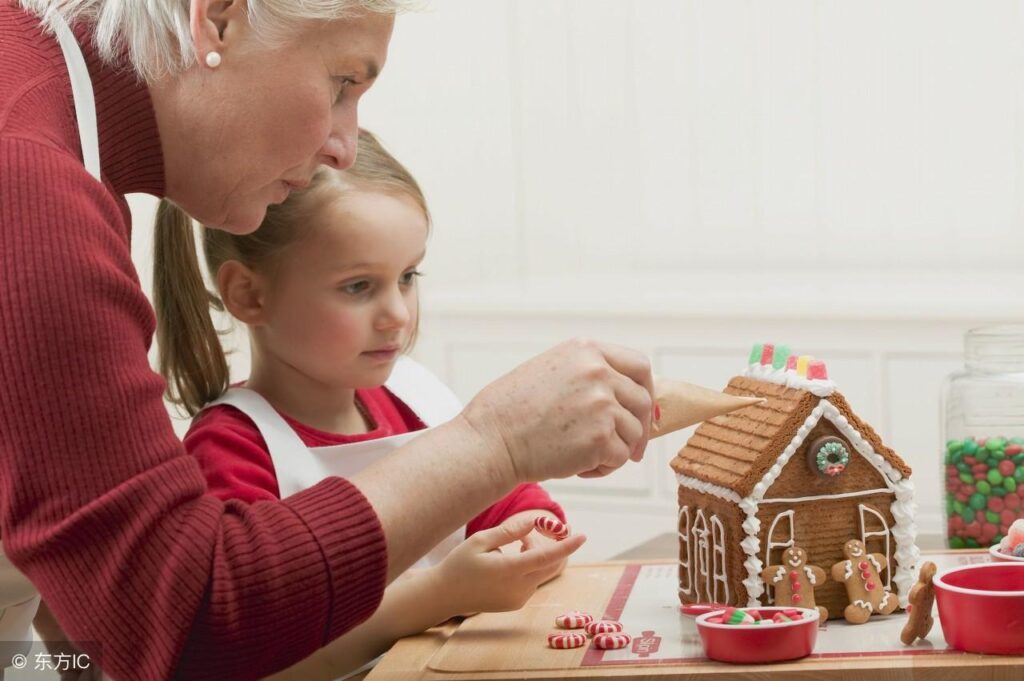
983 419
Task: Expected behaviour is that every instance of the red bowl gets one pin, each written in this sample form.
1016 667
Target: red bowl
759 643
981 607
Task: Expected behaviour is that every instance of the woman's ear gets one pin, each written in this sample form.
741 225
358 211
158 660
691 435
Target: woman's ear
241 289
213 23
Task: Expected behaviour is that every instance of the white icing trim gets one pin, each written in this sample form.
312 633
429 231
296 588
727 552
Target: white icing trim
849 570
885 599
780 575
810 575
684 538
790 379
864 604
707 488
844 495
878 568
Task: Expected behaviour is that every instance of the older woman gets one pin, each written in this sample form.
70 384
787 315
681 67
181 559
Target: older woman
222 106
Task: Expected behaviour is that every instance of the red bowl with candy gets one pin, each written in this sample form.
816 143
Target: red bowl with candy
769 641
999 556
981 607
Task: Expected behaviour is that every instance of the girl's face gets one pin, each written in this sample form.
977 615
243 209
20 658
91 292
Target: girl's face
341 304
243 135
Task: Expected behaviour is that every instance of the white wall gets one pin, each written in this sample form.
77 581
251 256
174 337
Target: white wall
691 177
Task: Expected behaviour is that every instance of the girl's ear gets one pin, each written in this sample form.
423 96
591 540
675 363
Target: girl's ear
241 289
214 24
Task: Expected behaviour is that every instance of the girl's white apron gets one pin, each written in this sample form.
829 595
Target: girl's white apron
18 598
298 467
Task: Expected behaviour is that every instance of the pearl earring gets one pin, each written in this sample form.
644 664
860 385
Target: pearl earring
213 59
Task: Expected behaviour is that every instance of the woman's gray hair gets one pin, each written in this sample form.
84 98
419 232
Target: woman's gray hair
156 37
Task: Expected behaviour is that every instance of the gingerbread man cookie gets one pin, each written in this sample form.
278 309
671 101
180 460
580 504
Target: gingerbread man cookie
922 598
860 572
794 580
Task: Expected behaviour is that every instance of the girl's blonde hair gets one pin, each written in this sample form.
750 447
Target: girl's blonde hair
191 357
156 36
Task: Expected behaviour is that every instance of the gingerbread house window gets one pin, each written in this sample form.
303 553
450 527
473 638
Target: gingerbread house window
685 552
719 574
780 537
874 528
700 539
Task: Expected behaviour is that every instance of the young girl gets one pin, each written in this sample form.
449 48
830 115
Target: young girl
327 289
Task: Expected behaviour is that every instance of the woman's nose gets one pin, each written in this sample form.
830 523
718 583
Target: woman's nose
339 150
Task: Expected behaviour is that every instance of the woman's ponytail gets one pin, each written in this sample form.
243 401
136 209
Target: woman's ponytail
191 357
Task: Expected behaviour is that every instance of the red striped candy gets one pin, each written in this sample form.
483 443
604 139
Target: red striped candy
563 641
611 641
603 627
551 527
573 620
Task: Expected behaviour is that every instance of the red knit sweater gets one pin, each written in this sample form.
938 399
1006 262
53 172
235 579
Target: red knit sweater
99 503
236 460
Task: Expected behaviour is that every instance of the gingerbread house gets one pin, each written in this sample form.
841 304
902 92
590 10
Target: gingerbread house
798 469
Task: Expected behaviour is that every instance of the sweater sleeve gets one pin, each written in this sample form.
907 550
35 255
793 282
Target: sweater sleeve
526 497
100 505
233 456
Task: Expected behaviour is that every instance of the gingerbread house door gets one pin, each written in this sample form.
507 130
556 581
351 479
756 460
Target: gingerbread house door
781 536
875 535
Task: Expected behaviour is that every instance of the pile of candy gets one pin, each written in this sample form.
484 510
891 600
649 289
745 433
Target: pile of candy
752 616
607 633
982 499
1013 542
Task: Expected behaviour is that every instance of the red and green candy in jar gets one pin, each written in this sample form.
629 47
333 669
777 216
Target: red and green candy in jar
984 489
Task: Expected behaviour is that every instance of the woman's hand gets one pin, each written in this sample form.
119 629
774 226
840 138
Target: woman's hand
581 408
478 577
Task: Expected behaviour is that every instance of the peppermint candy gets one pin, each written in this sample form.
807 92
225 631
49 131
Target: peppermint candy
563 641
603 627
611 641
573 620
551 527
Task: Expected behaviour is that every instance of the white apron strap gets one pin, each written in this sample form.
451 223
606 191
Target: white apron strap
81 90
293 464
423 392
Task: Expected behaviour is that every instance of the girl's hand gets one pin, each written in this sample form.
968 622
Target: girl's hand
581 408
478 577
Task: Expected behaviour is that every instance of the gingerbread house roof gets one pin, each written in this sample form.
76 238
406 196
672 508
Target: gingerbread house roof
735 451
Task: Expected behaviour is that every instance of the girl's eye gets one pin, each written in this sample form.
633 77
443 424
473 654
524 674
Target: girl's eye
409 278
356 288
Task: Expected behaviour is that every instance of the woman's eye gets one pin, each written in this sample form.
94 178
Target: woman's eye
342 83
408 278
356 288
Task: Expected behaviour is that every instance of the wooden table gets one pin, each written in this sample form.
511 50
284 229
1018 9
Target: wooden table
500 646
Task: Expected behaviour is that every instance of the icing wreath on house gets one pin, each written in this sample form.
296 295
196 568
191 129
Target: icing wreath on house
799 469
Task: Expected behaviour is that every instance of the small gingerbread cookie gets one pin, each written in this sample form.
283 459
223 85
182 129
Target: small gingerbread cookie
794 581
860 572
922 598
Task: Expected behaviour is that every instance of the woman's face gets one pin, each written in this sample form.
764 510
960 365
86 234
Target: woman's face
238 137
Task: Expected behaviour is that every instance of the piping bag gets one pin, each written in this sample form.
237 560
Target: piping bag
678 405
